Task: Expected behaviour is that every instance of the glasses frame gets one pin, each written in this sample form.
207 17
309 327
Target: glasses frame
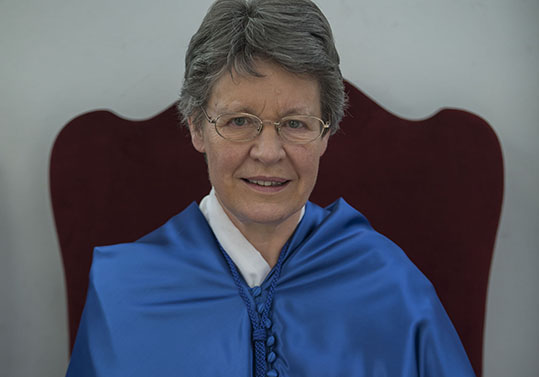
323 129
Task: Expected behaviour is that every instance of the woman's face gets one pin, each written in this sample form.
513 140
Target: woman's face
239 170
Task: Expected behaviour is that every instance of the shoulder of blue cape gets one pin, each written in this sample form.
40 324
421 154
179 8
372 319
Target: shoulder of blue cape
347 302
331 247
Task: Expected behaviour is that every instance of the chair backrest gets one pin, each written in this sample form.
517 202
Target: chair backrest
434 187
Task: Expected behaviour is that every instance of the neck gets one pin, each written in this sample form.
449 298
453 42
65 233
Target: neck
268 239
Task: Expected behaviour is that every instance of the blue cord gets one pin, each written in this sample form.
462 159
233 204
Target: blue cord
259 333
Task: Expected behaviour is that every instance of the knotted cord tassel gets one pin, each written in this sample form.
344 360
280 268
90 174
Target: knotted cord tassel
260 358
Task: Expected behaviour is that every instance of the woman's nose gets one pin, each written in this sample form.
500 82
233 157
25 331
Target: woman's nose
268 146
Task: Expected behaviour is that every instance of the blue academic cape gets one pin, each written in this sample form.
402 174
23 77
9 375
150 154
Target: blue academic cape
343 301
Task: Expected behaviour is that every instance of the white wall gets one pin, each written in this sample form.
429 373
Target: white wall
61 58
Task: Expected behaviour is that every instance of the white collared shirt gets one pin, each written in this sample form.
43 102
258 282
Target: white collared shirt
250 263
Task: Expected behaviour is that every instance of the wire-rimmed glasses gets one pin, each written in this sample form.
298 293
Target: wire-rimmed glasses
242 127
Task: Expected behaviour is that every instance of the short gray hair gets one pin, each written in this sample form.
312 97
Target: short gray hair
234 33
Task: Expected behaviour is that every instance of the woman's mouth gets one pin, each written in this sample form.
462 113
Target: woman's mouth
264 183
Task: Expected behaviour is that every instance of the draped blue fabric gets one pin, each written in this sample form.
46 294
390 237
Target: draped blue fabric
348 302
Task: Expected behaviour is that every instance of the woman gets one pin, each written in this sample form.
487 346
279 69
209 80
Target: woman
256 280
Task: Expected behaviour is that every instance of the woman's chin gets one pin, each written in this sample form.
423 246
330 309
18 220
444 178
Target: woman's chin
268 214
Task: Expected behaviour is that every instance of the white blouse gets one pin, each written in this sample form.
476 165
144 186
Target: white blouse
250 263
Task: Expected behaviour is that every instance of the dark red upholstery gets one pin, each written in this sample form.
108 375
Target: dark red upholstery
435 187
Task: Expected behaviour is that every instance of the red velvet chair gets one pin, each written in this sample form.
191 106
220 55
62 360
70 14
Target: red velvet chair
435 187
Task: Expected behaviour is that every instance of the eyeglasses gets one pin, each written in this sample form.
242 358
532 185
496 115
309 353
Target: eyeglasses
295 129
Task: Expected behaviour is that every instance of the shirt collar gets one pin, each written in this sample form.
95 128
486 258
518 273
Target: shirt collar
250 263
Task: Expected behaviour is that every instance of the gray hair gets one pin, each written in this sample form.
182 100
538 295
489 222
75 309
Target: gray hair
234 33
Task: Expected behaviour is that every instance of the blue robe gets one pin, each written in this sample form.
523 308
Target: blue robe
343 301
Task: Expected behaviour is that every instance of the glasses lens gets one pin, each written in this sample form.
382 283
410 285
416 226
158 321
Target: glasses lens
301 128
237 126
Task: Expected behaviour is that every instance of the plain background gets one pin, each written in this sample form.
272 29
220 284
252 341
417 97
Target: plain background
60 58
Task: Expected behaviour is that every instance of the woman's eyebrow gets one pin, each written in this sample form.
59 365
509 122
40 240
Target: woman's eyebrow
234 108
298 110
242 108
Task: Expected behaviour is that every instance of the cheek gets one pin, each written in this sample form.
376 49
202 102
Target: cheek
313 171
223 161
307 165
216 164
214 150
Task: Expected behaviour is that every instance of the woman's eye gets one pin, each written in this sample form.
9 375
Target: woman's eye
240 121
294 123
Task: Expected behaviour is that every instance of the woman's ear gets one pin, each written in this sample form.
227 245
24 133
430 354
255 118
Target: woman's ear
197 136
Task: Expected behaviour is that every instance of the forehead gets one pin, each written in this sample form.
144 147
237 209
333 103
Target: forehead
276 93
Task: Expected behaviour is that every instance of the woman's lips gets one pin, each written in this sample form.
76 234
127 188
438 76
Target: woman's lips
266 184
